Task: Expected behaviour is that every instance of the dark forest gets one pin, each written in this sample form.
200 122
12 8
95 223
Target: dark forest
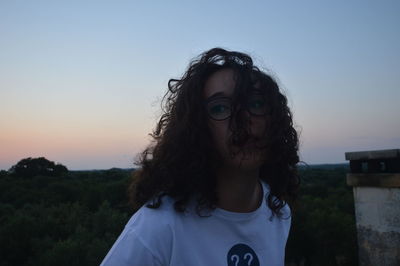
52 216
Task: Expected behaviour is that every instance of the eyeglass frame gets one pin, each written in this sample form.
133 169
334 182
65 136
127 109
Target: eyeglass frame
231 109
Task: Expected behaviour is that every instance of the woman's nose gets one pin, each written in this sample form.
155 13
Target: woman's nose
241 121
240 126
242 115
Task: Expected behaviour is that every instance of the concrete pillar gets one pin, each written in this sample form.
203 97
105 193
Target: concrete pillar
375 178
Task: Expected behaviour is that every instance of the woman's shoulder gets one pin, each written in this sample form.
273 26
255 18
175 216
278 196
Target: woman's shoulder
147 237
149 217
153 227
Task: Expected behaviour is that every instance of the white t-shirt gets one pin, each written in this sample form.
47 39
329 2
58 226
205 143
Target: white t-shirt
165 237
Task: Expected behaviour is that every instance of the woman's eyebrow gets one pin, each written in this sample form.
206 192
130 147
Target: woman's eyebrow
217 95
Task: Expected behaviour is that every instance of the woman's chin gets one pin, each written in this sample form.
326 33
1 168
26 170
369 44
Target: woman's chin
246 161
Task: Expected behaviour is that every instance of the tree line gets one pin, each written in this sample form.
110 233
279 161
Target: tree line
63 217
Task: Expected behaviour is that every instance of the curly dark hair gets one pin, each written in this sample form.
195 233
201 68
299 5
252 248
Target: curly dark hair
182 160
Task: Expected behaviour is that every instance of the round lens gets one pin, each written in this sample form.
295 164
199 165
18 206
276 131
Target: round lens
219 109
257 105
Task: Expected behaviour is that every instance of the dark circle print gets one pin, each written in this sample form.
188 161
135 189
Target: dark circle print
242 255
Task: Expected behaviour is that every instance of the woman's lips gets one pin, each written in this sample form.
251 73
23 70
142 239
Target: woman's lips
248 146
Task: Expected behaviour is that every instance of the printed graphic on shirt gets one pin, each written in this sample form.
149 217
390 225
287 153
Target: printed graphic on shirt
242 255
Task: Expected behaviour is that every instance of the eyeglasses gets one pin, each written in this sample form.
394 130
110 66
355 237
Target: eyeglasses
221 108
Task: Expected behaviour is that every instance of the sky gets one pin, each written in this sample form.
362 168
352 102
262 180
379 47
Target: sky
81 81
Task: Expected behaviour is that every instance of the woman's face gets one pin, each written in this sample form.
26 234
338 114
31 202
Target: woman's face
247 155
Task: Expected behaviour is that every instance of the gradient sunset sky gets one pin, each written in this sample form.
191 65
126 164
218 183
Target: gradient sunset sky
81 81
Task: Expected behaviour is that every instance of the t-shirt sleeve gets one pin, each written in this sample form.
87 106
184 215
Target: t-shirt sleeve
130 250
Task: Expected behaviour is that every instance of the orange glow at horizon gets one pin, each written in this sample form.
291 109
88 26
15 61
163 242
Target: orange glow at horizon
57 143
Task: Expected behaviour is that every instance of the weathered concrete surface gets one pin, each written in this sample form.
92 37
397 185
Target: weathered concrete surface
368 155
378 248
379 161
374 180
378 225
375 177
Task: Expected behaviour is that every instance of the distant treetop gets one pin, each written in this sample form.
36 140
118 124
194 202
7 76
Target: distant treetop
30 167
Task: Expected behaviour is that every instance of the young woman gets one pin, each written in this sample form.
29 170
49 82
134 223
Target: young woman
214 185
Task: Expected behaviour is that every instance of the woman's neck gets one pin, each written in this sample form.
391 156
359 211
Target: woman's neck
238 190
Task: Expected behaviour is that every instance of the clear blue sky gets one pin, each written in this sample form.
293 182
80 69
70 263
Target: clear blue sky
80 81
